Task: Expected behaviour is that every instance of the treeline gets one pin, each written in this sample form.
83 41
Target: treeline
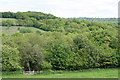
56 51
102 20
27 15
30 19
67 44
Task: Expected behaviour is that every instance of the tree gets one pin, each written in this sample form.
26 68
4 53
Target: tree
31 52
7 23
86 50
8 15
58 50
10 58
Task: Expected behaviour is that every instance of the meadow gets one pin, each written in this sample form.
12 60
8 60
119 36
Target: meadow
16 29
85 73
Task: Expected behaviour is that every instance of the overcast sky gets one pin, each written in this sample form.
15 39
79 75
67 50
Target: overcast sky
64 8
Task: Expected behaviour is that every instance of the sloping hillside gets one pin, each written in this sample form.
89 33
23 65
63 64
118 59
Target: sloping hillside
14 29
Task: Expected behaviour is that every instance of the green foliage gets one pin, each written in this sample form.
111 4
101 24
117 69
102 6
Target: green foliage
65 44
26 15
18 28
8 15
7 23
30 50
108 57
10 58
25 30
46 66
58 49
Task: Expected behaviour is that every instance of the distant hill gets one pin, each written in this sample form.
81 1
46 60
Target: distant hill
26 15
102 20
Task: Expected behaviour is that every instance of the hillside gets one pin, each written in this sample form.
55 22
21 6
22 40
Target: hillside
18 29
26 15
51 43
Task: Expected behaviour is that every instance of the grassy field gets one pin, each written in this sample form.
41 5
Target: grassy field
88 73
12 30
4 19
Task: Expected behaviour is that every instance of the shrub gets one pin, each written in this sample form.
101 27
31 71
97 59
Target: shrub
25 30
38 32
46 66
18 28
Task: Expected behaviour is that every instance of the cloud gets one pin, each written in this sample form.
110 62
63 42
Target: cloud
64 8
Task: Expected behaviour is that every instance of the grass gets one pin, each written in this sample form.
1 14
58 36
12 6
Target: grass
12 30
4 19
87 73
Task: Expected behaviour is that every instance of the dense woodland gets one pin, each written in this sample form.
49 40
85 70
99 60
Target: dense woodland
65 44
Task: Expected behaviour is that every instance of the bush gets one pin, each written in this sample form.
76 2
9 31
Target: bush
25 30
46 66
18 28
38 32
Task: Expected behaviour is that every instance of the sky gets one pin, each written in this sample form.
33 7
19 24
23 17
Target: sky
64 8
